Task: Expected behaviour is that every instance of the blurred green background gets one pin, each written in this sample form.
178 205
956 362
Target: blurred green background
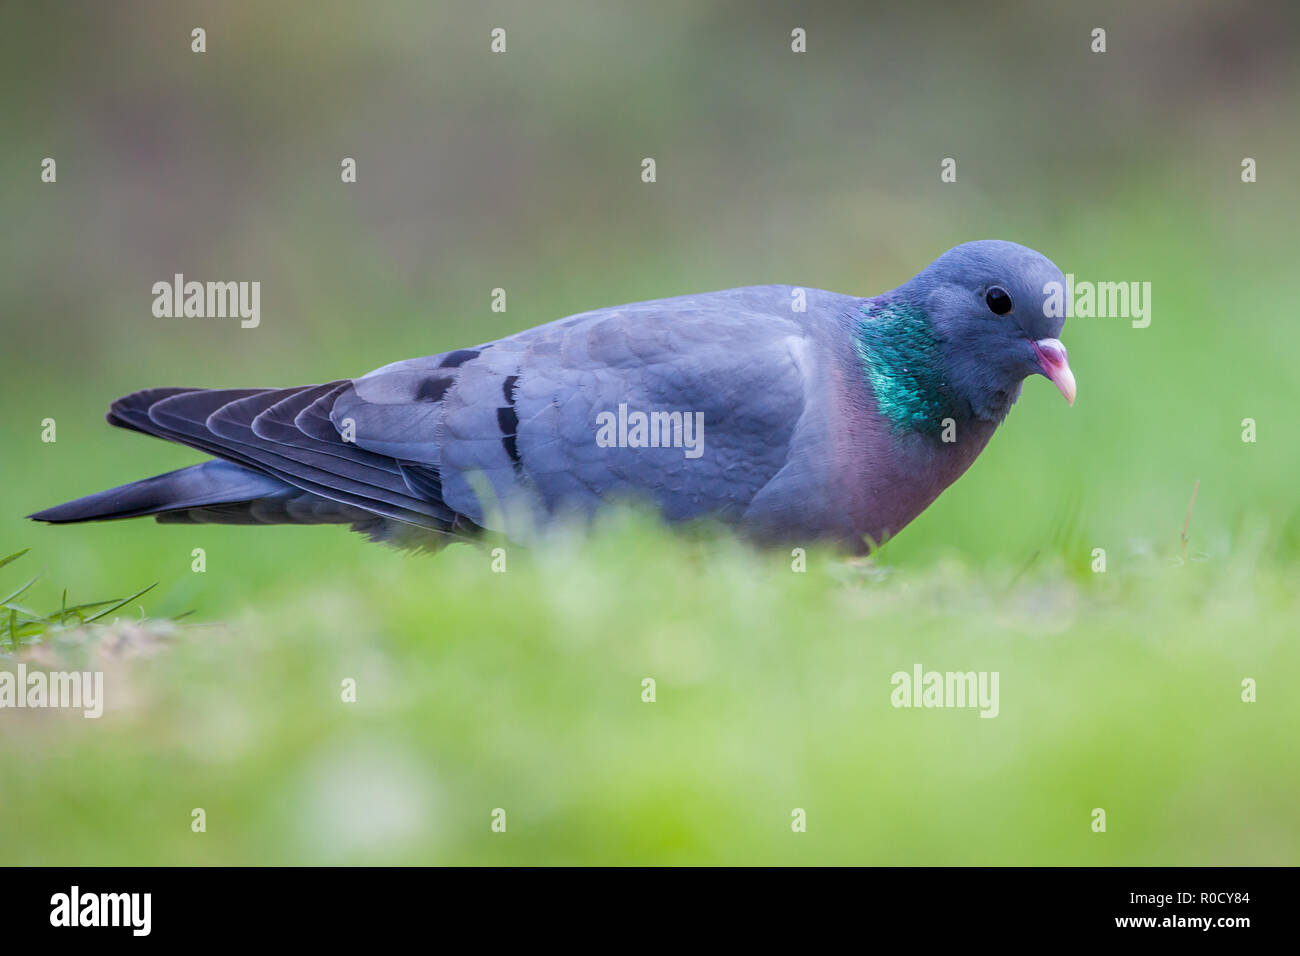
523 690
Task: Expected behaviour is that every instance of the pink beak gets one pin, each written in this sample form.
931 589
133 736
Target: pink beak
1055 365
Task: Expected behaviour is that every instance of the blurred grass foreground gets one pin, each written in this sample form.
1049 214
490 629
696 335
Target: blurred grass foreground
641 697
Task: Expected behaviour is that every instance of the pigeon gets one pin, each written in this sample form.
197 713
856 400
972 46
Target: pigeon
793 415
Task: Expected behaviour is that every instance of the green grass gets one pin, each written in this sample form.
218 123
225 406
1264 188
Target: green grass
522 690
22 626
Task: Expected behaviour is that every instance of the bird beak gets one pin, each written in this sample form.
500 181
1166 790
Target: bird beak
1053 361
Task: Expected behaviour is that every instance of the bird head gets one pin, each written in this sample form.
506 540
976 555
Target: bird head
987 305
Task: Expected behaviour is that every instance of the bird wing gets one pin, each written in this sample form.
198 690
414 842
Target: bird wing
514 422
477 438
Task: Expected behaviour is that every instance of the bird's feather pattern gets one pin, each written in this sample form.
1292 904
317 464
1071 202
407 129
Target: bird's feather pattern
821 416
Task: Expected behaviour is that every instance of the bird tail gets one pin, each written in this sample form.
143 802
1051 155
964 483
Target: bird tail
259 480
210 484
220 492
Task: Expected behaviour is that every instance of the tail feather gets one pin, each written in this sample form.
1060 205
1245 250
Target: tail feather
210 483
279 460
216 421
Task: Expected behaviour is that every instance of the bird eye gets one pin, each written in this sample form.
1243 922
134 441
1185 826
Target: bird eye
997 300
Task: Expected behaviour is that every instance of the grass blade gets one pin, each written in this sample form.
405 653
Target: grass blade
20 590
13 557
124 601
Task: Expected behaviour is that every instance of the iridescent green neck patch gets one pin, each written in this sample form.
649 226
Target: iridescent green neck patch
901 358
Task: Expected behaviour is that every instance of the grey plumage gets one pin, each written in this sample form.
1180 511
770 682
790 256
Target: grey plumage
503 435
